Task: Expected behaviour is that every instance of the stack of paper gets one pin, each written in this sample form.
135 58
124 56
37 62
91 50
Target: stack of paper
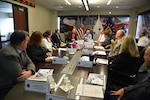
102 61
94 78
99 47
90 91
99 52
41 75
84 58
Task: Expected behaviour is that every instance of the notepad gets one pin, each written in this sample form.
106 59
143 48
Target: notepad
102 61
97 79
90 91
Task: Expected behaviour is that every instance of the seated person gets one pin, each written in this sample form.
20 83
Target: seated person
115 45
139 91
101 37
15 64
46 41
72 36
36 52
143 40
57 39
141 62
88 35
106 42
125 62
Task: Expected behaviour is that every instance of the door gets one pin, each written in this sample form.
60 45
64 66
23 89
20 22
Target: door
20 15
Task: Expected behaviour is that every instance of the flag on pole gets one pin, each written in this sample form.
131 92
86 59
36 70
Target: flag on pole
80 33
109 26
97 26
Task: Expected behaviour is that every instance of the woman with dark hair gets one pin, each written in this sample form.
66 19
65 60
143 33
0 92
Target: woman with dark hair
46 41
35 51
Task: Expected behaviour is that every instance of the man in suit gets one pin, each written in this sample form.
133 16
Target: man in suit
57 39
115 45
141 90
15 65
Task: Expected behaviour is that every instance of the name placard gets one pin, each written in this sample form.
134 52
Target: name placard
88 44
56 97
36 86
86 52
88 64
59 61
72 50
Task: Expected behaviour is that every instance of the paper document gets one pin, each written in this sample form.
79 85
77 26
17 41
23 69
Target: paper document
102 61
94 78
41 75
62 44
63 49
84 58
99 52
99 47
90 91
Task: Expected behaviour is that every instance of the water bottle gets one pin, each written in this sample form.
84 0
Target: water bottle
67 52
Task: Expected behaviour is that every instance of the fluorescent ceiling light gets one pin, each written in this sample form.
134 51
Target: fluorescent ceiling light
109 1
67 2
86 5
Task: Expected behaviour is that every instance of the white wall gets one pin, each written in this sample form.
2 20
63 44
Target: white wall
6 25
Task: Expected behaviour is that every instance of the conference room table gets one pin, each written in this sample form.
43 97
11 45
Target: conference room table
76 74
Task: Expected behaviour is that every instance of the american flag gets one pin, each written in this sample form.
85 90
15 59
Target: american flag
80 33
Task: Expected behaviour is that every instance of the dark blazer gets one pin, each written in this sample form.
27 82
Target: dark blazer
56 40
106 42
37 54
119 72
124 62
140 91
10 66
69 37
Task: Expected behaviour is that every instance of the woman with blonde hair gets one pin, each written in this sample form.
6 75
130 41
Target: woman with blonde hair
129 46
125 63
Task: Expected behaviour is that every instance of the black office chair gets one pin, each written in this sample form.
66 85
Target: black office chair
121 78
118 79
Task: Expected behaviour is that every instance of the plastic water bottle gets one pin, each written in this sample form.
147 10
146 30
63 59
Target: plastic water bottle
67 52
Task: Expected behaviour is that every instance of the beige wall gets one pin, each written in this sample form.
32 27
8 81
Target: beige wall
39 18
42 19
93 12
144 8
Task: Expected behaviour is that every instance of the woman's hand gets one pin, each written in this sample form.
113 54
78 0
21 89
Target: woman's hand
48 59
120 93
49 54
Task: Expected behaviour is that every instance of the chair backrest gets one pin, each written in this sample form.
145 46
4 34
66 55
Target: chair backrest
122 78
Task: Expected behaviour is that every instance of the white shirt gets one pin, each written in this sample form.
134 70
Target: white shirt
46 44
101 38
143 41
